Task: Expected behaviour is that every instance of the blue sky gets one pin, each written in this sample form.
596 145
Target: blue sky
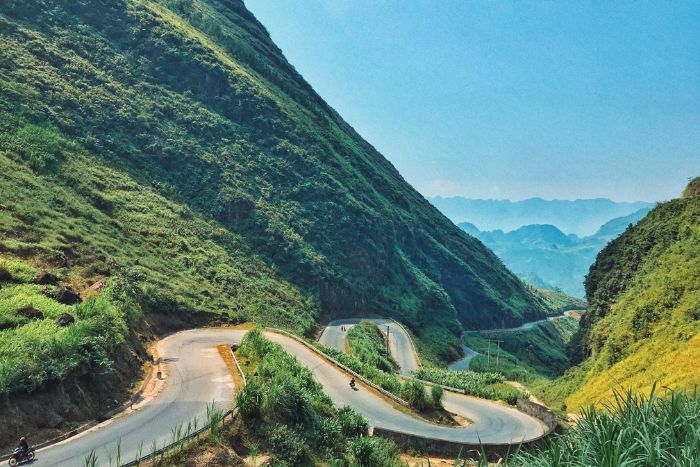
509 100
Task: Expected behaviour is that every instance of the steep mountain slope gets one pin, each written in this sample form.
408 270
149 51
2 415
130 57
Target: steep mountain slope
171 141
580 216
643 320
544 256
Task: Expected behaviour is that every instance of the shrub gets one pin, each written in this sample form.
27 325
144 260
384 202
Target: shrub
436 393
352 424
413 392
373 452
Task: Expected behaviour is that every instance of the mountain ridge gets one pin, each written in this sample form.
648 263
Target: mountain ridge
581 216
175 143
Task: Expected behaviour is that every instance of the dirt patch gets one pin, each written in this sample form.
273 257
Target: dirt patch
227 357
443 417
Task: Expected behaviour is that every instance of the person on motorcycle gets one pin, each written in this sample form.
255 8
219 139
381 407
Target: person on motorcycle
352 382
23 446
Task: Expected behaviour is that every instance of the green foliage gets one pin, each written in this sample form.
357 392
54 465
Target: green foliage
373 452
537 352
287 413
389 381
13 270
693 188
642 323
367 343
436 393
173 135
413 392
632 430
486 385
35 350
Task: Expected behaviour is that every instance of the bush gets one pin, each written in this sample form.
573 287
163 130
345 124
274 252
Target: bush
373 452
413 392
436 393
367 343
352 424
486 385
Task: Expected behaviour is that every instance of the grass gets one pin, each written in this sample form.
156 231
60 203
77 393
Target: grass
368 344
632 429
484 385
286 413
643 321
35 350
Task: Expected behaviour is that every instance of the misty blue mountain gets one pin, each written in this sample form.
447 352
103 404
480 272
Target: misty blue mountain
544 256
581 217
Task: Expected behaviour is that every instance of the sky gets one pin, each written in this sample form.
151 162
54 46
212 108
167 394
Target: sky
509 100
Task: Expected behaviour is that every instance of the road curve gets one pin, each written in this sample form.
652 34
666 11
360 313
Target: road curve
400 346
196 376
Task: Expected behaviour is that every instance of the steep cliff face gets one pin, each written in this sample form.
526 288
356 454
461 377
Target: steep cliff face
642 324
172 137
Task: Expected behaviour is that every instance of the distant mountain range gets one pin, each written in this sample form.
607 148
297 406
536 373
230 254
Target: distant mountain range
581 216
546 257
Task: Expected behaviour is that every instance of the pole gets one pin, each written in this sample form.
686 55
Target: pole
498 352
387 341
488 356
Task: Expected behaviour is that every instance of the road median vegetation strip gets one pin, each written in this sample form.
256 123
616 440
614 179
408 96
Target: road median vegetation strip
285 412
368 344
485 385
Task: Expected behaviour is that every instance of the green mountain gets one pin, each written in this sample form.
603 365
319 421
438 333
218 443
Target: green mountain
642 324
170 142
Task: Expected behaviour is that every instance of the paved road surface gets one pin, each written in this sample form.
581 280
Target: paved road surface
400 346
463 363
196 375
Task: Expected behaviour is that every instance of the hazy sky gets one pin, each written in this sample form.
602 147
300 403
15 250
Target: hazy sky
493 99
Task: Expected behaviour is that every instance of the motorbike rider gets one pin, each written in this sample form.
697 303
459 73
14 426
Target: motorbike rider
23 446
352 382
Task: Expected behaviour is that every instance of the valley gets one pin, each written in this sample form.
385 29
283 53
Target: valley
198 253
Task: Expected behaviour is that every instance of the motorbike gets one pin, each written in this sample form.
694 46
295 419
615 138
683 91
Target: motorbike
18 456
352 385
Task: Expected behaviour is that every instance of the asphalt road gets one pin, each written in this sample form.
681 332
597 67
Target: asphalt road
400 346
196 376
463 363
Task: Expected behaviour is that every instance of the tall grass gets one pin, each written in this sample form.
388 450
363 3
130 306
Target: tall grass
486 385
633 430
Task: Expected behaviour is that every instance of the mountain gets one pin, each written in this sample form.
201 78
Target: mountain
544 256
615 227
170 142
581 217
642 324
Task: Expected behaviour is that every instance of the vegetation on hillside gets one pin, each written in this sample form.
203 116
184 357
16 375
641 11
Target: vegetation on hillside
642 324
172 136
485 385
368 344
540 351
43 341
285 412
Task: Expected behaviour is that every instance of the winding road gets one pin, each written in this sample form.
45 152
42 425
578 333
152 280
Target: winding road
400 346
195 375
